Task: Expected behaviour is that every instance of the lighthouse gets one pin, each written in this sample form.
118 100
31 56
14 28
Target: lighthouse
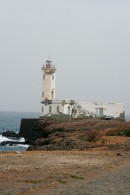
48 81
67 109
51 107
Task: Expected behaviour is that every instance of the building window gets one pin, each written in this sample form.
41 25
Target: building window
50 109
52 77
43 77
42 109
43 94
58 109
52 95
68 110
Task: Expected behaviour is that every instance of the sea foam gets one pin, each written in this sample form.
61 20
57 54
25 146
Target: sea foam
2 139
21 139
25 145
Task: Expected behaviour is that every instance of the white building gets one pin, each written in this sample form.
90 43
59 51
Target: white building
103 110
52 107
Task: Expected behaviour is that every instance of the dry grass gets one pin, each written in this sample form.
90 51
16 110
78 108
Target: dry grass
34 181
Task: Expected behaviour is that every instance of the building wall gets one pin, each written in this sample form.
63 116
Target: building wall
56 107
48 85
109 109
52 108
115 110
68 109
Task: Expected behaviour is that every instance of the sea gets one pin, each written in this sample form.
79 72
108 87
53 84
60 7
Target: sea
10 121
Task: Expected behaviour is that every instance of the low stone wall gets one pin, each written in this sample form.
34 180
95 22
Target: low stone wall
31 129
61 117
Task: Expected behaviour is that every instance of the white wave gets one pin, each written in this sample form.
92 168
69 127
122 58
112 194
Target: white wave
2 139
21 145
21 139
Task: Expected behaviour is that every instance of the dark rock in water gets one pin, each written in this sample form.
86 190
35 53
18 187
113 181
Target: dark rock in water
12 143
10 134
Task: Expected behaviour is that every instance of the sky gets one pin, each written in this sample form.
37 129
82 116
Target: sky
88 40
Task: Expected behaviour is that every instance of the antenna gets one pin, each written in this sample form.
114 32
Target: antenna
49 57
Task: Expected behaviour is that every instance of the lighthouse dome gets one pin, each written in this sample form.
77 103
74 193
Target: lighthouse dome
49 62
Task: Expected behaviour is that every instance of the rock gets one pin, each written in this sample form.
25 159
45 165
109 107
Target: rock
11 143
48 144
10 134
119 154
17 152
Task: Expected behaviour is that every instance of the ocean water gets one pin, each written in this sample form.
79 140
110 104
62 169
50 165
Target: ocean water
10 121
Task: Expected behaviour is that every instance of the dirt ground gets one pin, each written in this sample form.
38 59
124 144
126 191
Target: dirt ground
49 172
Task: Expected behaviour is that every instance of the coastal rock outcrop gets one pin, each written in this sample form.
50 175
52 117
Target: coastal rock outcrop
52 134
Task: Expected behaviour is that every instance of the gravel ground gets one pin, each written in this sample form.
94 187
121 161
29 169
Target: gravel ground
117 183
95 171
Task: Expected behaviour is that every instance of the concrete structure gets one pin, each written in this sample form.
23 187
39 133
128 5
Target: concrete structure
72 108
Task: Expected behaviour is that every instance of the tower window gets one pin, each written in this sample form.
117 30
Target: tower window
43 76
52 77
50 109
42 109
43 94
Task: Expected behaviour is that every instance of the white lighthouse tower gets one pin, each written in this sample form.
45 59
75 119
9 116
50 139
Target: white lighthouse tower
48 81
52 107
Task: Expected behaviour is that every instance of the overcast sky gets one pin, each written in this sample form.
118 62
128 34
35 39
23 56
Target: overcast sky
89 41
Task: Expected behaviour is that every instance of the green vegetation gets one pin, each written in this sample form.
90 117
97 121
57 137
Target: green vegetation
76 177
126 132
119 132
61 180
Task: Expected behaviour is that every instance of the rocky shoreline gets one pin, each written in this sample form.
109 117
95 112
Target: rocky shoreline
14 139
50 134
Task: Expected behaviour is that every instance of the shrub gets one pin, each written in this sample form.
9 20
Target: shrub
92 136
61 180
113 131
118 132
126 132
77 177
60 129
47 141
45 133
